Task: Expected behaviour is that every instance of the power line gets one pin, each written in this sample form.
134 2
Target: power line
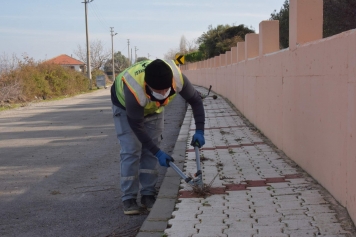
97 16
106 23
97 13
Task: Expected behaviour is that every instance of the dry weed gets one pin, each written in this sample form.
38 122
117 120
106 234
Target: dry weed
203 191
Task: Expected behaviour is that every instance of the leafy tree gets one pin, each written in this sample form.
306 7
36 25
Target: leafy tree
211 43
193 56
98 55
339 16
220 39
283 17
121 63
139 59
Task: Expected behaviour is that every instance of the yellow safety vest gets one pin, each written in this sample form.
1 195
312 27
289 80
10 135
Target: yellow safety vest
134 79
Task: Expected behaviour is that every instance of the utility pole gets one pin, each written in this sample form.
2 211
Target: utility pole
131 57
112 52
136 54
128 51
148 56
88 47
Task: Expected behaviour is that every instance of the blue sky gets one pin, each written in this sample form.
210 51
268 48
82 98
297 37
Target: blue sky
44 29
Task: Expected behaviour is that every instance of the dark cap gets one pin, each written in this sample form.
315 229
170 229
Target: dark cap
158 75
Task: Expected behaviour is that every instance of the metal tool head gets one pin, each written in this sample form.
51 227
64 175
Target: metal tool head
197 182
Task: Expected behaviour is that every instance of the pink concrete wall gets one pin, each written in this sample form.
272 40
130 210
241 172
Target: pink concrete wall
304 100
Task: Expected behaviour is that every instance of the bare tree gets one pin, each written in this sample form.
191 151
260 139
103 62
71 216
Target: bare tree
183 45
192 46
98 55
10 87
171 54
8 63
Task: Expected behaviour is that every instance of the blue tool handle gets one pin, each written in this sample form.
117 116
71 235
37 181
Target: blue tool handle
197 158
181 174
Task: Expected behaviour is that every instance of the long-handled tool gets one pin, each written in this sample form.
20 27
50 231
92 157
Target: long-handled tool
203 96
198 175
197 181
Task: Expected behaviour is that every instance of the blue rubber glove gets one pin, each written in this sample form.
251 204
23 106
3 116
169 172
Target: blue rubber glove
198 139
163 158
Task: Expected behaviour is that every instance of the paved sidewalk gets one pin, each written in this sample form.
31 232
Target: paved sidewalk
257 191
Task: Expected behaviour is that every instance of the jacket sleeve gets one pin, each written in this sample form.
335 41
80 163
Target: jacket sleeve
135 117
192 97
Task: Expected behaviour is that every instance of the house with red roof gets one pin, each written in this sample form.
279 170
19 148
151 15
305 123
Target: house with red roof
67 61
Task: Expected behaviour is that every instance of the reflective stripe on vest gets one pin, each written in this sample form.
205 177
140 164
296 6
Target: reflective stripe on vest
135 88
177 75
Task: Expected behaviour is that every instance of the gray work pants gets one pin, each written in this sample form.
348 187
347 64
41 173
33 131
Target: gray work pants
137 164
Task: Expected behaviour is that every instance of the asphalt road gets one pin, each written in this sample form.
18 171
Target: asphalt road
59 168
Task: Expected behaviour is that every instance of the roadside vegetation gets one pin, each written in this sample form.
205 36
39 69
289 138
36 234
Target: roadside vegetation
26 80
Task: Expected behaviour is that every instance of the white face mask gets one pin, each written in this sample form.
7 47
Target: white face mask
159 96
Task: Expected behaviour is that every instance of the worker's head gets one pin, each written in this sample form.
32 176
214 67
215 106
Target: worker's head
159 76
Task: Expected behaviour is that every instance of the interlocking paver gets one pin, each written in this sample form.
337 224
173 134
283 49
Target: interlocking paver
298 181
324 217
243 200
291 205
297 217
312 209
310 193
288 207
180 215
266 221
182 224
284 191
330 228
313 200
302 233
271 235
287 198
262 203
205 234
279 185
265 211
241 225
237 215
269 230
236 232
180 232
297 224
291 212
336 235
216 230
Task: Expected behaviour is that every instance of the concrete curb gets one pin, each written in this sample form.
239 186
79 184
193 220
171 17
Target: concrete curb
157 221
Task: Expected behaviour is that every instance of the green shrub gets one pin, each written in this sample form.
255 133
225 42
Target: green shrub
32 80
193 57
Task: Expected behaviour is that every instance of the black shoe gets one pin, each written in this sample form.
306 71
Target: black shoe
131 207
148 201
